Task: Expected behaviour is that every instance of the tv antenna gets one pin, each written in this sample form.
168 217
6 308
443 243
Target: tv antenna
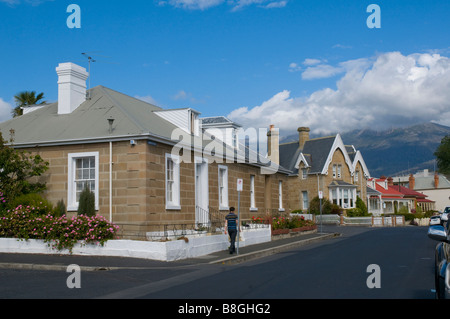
90 60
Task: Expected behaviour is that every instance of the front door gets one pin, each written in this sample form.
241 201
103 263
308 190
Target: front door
201 193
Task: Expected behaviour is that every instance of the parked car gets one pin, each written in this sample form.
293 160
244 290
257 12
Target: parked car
444 216
435 220
442 260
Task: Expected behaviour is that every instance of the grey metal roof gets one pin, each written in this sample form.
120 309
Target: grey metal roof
89 123
218 121
131 116
427 182
372 192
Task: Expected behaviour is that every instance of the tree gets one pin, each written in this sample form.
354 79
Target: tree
443 155
86 204
26 98
17 168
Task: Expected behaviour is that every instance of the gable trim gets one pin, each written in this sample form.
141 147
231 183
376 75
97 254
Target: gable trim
338 144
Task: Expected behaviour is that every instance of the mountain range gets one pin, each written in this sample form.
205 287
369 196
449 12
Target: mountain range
397 151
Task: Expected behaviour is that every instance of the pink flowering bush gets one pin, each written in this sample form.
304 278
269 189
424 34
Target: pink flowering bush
59 232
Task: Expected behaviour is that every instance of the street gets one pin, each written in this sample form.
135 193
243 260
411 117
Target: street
335 268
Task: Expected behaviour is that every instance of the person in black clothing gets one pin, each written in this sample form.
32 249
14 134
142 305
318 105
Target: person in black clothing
231 224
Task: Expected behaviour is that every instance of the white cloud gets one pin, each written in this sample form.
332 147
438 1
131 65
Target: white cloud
193 4
321 71
309 62
206 4
5 110
147 98
13 3
388 90
294 67
276 4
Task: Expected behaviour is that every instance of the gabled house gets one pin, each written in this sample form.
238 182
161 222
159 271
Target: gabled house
434 185
147 166
323 165
386 197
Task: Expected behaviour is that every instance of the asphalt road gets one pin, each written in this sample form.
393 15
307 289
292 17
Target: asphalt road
331 269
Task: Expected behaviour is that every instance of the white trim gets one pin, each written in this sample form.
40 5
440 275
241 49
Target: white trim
359 158
303 199
337 144
252 193
280 196
72 204
301 158
223 202
175 203
204 175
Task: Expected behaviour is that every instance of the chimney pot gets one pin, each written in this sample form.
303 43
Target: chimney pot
390 181
273 145
412 181
303 136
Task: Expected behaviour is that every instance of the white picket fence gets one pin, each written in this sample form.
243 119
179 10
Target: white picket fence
361 221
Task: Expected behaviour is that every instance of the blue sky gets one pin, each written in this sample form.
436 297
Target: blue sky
285 62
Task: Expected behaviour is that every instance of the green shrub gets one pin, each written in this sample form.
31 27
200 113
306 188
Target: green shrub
34 201
361 206
86 204
60 209
327 206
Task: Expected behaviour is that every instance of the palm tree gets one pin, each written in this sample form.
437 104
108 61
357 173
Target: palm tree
26 98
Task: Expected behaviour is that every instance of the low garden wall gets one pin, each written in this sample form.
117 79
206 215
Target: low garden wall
188 247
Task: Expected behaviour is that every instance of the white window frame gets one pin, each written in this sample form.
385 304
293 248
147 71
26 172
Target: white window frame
305 200
223 187
304 173
280 196
252 194
72 204
334 171
339 171
175 202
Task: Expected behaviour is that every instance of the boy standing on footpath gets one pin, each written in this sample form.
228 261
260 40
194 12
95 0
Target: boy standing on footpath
231 224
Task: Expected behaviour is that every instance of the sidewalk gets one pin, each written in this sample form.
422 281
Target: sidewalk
99 263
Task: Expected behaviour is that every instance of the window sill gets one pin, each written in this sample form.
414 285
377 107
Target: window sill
173 207
75 208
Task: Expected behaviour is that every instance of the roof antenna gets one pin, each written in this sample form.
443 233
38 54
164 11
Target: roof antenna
90 59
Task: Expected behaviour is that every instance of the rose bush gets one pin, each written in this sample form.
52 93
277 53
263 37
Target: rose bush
59 232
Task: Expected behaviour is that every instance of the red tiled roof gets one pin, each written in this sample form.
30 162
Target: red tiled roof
390 192
409 192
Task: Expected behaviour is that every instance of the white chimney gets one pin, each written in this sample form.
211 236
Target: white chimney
71 87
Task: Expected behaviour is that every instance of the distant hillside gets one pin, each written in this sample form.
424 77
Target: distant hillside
396 151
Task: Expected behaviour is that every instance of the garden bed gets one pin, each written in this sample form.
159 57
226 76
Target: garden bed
286 233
